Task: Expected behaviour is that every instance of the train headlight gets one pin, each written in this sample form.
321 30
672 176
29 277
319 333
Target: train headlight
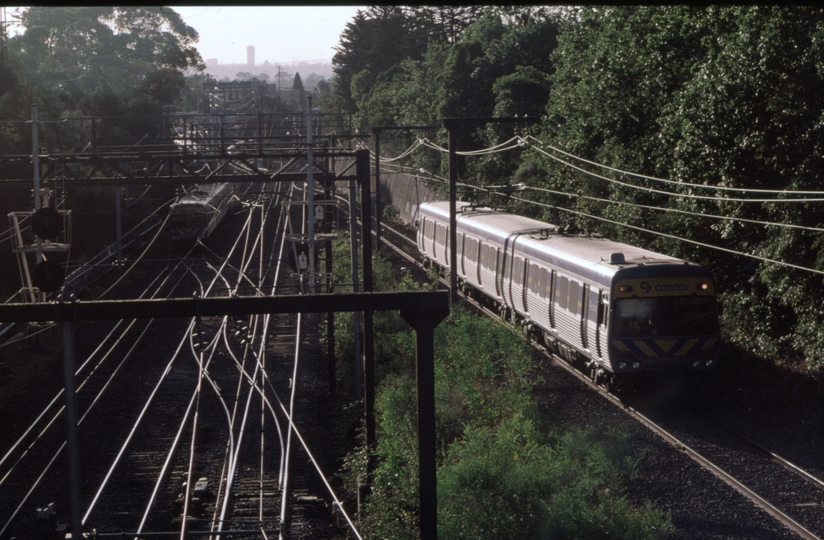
696 363
636 365
702 286
625 288
622 365
709 362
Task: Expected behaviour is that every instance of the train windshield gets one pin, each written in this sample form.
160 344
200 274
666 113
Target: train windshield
665 316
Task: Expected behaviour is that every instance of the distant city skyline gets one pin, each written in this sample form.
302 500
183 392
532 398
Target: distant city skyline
279 34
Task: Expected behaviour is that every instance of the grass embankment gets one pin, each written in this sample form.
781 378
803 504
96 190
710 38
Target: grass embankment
503 471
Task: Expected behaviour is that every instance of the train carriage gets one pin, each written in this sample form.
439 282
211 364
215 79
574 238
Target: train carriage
618 308
197 213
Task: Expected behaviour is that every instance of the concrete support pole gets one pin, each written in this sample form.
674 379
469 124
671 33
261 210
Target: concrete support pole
72 442
35 161
356 316
363 174
424 324
118 191
330 327
453 234
377 133
310 200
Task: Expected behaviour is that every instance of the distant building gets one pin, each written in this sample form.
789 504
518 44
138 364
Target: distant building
239 97
211 62
250 55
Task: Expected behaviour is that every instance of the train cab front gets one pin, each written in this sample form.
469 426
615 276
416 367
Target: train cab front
186 226
663 323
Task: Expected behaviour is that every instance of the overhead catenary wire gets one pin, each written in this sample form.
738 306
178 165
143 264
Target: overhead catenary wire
675 182
670 193
719 199
671 210
673 237
600 218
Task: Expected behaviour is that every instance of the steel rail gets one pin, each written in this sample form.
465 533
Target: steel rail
60 410
731 481
787 464
203 372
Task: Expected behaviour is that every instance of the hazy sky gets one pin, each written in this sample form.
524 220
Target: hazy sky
279 33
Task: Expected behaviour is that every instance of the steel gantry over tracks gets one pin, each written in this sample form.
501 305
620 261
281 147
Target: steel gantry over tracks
422 310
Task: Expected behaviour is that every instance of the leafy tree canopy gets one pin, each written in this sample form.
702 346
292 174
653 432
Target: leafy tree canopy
98 58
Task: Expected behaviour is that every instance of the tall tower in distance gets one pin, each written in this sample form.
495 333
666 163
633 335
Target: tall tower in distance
250 55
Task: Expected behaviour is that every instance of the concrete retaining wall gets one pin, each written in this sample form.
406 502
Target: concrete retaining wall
405 192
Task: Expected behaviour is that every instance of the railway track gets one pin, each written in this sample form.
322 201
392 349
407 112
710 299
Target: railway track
188 431
787 493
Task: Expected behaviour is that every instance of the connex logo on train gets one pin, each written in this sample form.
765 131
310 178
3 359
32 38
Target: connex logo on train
664 287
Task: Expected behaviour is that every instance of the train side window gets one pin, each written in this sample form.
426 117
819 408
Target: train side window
572 303
532 277
561 291
516 277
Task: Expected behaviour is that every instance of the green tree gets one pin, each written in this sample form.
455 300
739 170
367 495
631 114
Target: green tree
71 52
299 93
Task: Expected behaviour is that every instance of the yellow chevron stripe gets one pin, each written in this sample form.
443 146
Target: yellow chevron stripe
644 348
666 344
710 343
687 347
620 345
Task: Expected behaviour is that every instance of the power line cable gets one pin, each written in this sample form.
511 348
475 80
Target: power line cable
676 182
669 193
673 210
673 237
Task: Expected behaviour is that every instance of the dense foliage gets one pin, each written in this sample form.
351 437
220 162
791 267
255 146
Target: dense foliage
125 64
725 98
97 61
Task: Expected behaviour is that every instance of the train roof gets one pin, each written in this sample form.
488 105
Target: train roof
203 195
586 254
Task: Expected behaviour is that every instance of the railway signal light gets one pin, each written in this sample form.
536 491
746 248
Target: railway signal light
47 223
48 276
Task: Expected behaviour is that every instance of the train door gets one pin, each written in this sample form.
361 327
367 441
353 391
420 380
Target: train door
584 310
601 321
540 297
528 278
429 237
550 297
480 262
447 248
476 259
516 282
493 268
461 254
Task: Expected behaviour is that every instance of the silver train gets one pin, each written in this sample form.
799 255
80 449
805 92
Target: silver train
617 309
196 214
